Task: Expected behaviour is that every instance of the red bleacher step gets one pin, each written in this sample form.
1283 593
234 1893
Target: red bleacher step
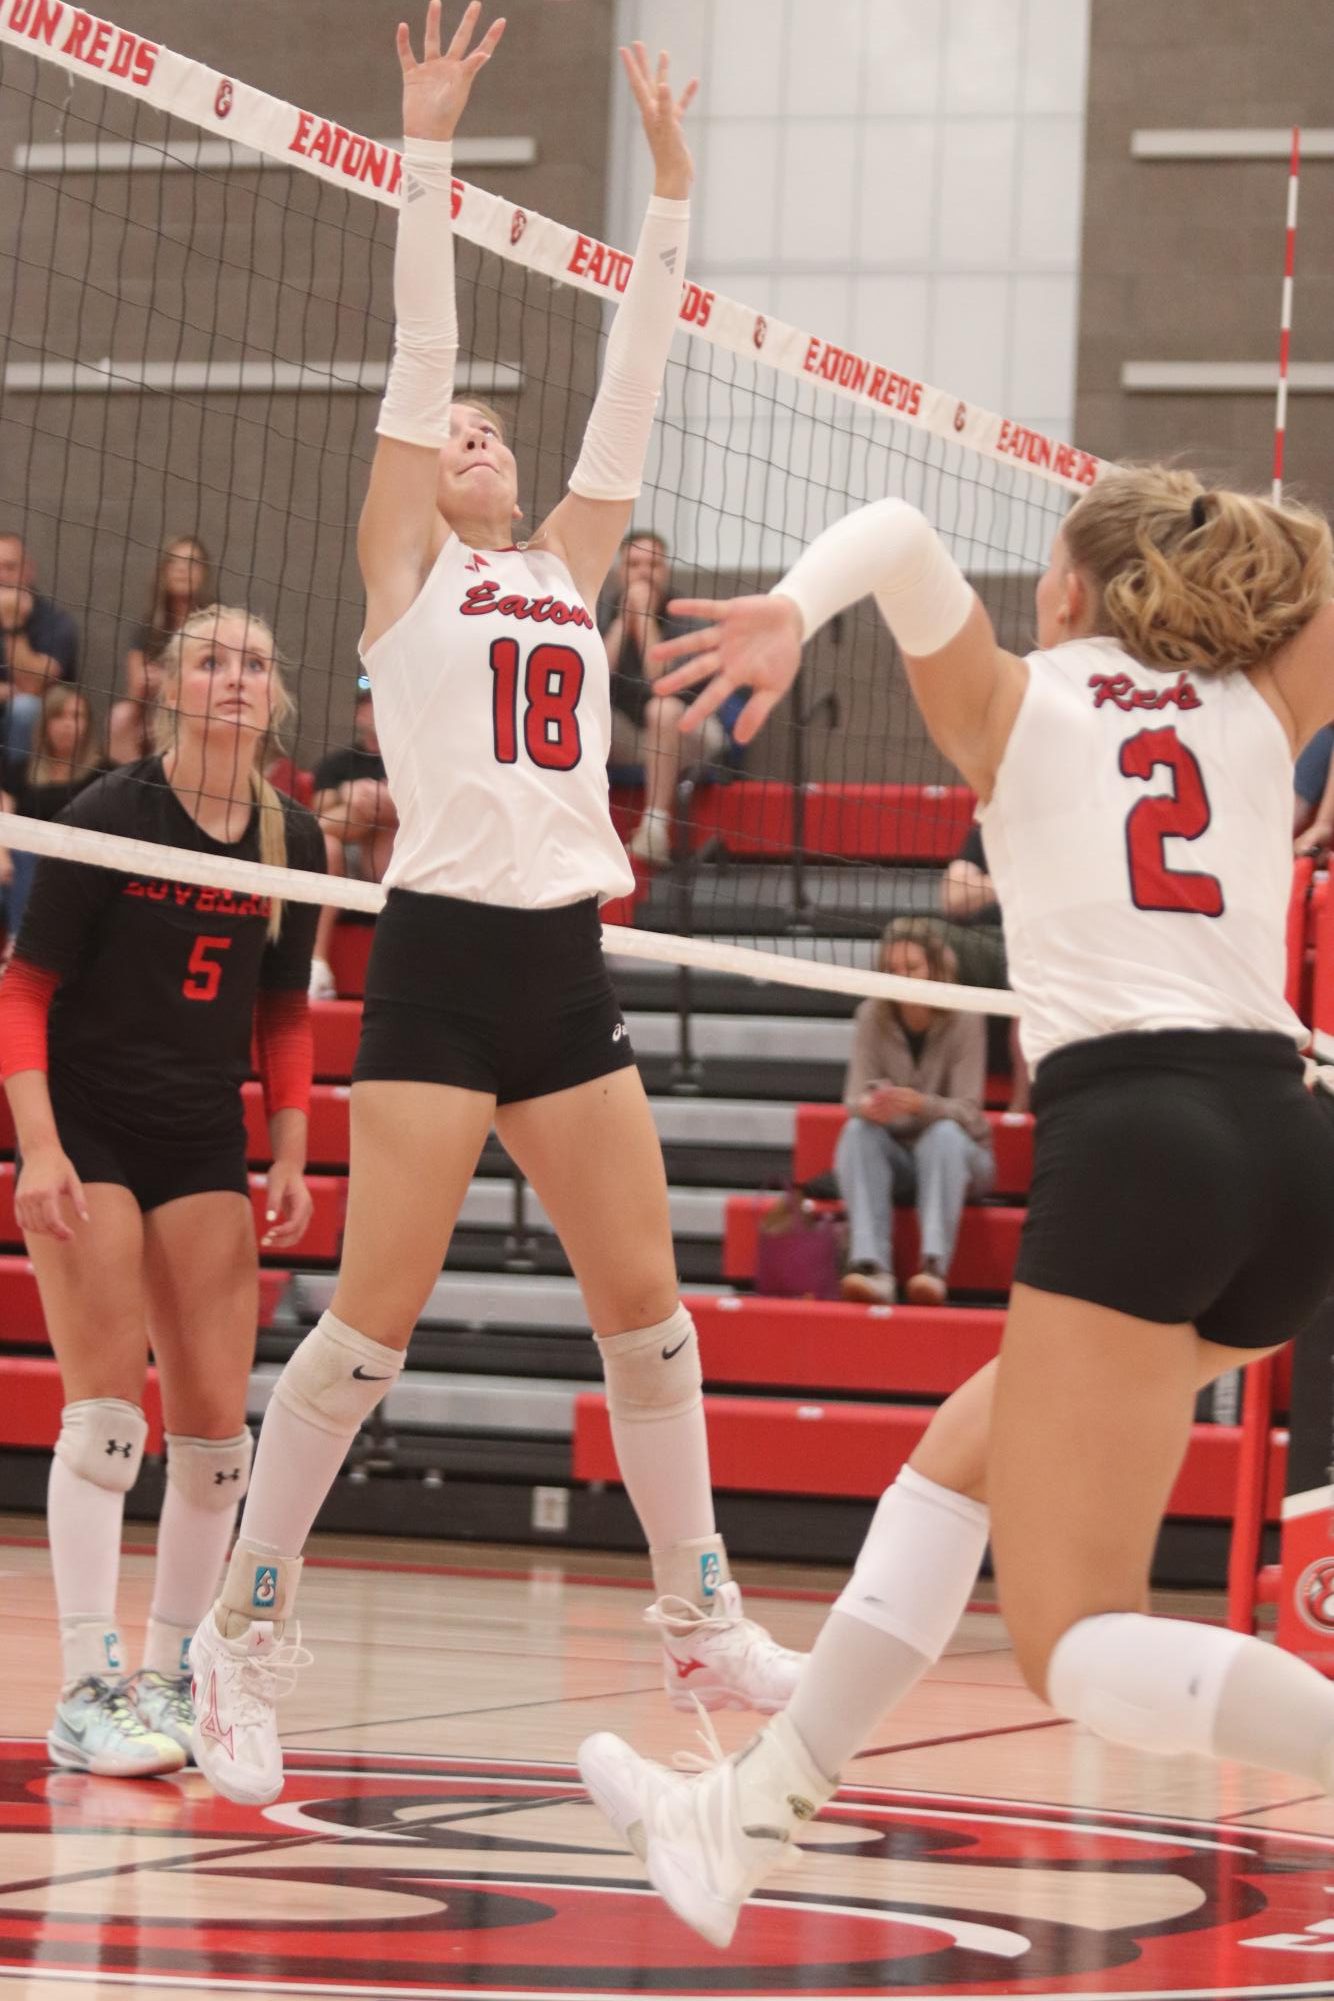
983 1260
762 1445
328 1141
907 823
820 1344
31 1398
22 1324
328 1192
818 1128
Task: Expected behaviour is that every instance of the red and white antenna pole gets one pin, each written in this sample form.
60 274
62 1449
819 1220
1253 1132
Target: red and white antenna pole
1285 323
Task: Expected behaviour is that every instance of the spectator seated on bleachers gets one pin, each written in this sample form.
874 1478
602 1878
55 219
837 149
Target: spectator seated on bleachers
182 583
286 775
40 784
39 643
359 822
644 726
914 1088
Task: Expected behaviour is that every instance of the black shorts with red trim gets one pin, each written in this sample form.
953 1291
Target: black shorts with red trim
515 1003
1186 1175
155 1171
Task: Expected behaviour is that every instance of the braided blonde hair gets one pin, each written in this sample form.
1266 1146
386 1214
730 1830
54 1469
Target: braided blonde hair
1208 580
272 814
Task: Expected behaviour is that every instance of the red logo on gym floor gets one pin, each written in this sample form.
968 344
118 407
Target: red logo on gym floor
496 1878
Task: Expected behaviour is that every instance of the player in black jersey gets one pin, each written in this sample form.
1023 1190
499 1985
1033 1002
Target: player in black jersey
125 1032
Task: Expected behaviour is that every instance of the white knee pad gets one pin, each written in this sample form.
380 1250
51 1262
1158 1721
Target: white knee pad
653 1372
918 1564
211 1472
336 1377
102 1440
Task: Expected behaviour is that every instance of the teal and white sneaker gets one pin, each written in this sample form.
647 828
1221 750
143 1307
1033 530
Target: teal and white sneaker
96 1729
163 1704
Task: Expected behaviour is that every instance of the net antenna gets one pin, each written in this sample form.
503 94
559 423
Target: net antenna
766 433
1285 315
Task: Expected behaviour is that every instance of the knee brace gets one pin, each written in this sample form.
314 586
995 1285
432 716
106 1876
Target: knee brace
919 1563
336 1377
213 1473
102 1440
653 1372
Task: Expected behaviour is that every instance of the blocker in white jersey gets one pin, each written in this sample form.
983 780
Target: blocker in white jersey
493 709
1138 774
1139 836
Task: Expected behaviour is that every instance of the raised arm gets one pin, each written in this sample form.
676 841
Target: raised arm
586 527
395 536
966 687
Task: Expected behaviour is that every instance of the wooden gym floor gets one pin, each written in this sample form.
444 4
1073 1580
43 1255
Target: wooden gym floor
432 1839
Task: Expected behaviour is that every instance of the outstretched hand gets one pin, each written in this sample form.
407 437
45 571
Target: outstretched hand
436 89
673 168
752 643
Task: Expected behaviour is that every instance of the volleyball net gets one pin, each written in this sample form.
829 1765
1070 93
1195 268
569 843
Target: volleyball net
196 311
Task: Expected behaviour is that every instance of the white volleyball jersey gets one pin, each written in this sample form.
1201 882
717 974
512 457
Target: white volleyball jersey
1139 837
493 710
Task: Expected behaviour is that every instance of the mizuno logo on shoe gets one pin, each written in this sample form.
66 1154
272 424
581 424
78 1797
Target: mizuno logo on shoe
667 1353
685 1668
210 1724
363 1376
803 1809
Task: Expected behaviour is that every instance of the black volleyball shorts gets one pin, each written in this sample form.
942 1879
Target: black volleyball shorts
516 1003
1186 1175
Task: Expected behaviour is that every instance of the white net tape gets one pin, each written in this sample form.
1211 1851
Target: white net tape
253 123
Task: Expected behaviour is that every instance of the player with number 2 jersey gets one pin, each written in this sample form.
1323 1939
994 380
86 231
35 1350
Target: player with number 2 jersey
1135 774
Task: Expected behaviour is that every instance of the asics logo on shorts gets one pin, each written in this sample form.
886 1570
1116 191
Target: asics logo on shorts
619 1032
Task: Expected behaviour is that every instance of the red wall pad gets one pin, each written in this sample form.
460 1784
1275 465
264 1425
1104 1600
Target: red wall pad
31 1400
818 1128
801 1344
853 1451
983 1261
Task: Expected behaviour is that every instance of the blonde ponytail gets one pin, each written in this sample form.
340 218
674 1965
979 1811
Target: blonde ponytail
1210 581
272 836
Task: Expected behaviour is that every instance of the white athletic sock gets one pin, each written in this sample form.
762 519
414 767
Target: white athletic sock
1170 1685
297 1461
894 1618
663 1455
83 1525
854 1675
191 1550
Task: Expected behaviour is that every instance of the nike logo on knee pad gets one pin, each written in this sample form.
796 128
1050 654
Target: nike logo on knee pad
363 1376
667 1353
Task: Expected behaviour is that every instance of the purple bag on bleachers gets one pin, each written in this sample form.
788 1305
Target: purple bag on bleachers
799 1253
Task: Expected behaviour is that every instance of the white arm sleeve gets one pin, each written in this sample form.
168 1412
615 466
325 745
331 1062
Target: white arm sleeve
420 387
892 552
611 462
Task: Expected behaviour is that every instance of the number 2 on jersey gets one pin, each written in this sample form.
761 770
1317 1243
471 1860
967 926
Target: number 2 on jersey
552 684
1181 814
